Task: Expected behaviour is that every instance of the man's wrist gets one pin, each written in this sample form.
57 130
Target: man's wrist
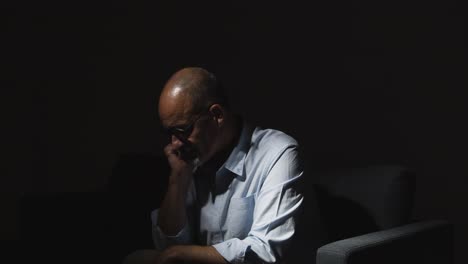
173 254
178 188
181 179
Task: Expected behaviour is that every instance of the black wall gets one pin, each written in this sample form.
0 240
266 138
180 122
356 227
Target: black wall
354 83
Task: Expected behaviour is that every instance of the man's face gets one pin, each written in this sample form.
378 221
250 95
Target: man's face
190 133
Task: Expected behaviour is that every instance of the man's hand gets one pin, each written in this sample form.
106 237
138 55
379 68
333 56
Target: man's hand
181 169
168 256
172 215
190 254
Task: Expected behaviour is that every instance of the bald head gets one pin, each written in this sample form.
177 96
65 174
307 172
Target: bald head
193 109
191 90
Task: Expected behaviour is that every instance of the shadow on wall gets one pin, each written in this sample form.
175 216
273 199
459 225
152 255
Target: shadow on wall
99 226
140 173
342 217
137 186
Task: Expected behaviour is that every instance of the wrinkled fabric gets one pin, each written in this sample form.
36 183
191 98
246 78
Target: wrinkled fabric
248 216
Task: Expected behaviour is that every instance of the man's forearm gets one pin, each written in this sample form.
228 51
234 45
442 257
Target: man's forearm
172 212
192 254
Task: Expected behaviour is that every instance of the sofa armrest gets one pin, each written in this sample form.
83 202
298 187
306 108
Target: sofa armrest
420 242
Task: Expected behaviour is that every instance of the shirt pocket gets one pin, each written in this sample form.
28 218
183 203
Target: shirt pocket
239 217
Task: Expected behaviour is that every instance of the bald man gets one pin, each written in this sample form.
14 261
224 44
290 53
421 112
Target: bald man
232 194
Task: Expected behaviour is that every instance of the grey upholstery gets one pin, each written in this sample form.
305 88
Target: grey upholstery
366 218
358 200
422 242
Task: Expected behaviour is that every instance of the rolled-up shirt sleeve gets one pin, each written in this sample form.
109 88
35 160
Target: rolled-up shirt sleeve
162 241
274 217
184 236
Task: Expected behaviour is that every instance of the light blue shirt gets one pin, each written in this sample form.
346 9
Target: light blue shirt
249 213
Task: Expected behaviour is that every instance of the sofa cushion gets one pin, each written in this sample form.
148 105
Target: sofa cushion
359 200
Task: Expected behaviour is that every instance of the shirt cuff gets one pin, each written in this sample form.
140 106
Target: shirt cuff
161 240
232 250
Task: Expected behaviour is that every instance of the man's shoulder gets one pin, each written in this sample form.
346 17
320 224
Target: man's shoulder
270 138
268 147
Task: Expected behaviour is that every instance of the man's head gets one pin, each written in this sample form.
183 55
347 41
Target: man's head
193 109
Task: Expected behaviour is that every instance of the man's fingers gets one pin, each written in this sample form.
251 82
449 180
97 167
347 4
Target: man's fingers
169 150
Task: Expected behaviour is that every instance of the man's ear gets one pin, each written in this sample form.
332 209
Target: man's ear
218 113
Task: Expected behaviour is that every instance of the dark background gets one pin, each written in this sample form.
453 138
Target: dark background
354 82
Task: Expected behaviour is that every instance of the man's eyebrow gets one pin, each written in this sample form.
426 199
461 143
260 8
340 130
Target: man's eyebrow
176 123
180 126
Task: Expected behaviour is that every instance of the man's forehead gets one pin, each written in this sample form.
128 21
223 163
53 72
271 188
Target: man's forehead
175 92
174 112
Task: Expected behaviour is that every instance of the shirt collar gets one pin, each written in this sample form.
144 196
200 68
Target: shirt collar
236 160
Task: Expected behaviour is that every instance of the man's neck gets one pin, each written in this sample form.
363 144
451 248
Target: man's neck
219 158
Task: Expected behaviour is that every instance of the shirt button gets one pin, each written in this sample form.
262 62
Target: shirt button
229 243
